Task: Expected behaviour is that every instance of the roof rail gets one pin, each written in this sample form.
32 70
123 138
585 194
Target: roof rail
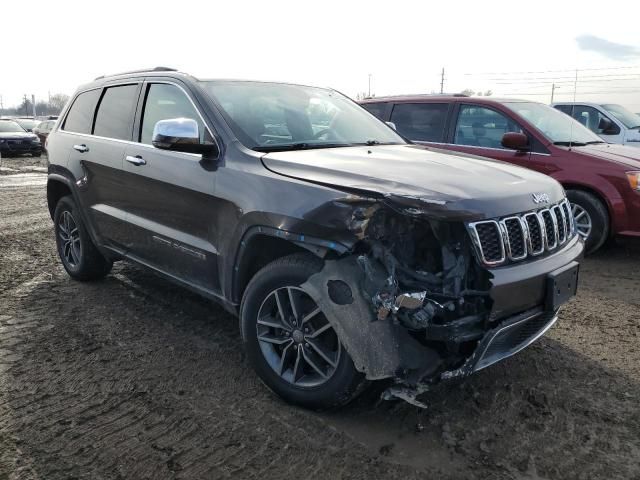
154 69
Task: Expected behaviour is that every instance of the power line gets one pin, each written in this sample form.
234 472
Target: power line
581 93
619 76
553 71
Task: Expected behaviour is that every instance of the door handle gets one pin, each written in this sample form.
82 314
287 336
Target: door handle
137 160
81 148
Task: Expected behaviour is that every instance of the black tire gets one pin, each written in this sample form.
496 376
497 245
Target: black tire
87 263
598 214
344 384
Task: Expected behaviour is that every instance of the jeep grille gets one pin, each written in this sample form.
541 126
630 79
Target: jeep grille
525 235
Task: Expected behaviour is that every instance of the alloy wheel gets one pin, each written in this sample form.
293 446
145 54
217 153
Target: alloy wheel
582 221
296 339
71 248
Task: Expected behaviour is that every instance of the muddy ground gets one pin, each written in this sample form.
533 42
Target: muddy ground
133 378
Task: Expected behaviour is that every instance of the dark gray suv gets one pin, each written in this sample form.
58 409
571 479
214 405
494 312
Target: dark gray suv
348 253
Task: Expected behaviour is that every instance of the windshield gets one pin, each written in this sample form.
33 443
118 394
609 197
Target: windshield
271 117
26 123
556 126
10 127
628 119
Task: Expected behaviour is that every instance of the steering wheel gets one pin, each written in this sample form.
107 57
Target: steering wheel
320 133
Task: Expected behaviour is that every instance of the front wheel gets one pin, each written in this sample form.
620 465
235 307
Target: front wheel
80 257
289 341
590 217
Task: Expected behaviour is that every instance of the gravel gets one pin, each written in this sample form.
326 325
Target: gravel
132 377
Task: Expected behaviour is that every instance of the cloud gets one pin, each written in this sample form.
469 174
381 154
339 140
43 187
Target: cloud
611 50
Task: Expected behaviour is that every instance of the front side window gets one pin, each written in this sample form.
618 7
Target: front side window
80 116
271 117
165 101
557 127
590 117
482 127
421 121
115 112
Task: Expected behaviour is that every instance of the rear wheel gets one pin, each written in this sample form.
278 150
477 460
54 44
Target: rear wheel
591 219
289 341
80 257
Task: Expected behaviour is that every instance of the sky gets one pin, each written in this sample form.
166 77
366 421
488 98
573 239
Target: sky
515 49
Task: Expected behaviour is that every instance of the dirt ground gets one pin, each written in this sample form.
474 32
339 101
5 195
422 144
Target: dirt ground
134 378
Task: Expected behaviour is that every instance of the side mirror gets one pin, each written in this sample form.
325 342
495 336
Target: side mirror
515 141
392 125
180 135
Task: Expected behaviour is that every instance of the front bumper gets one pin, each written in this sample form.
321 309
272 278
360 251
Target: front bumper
506 339
522 286
19 147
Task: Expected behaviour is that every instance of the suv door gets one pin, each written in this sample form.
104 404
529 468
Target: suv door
478 130
94 138
169 195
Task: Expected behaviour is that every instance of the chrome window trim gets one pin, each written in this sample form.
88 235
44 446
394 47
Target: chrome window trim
476 240
507 239
542 234
130 142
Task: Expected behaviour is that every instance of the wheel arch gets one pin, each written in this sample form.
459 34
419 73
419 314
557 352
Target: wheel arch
600 196
57 187
262 245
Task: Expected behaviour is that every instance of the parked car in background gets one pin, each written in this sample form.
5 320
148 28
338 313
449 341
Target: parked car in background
43 129
15 140
27 123
347 253
601 180
613 123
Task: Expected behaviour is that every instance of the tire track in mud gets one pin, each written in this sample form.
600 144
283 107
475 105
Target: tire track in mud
132 377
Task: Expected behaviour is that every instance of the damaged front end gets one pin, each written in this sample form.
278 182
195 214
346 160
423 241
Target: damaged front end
409 301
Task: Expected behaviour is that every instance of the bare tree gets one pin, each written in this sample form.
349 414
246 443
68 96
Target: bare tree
58 101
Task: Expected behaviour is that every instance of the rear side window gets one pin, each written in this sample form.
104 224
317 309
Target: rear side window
80 116
115 112
163 102
564 108
421 121
376 109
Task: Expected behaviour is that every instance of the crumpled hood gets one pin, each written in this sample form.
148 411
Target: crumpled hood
17 135
622 154
425 179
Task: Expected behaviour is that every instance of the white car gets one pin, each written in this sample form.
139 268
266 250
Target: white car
613 123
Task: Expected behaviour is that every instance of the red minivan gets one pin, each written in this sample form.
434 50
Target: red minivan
602 180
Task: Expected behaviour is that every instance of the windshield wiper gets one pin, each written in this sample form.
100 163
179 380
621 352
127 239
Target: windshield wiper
570 144
595 142
298 146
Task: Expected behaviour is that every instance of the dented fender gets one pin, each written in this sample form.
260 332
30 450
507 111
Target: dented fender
379 349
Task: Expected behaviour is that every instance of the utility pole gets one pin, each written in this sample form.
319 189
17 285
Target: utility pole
33 104
369 86
26 112
442 82
553 90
